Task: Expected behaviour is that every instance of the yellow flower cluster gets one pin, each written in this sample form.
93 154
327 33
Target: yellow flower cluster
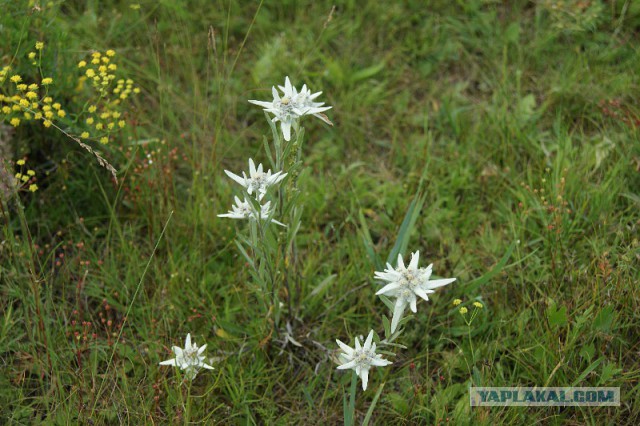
104 116
21 102
26 178
463 310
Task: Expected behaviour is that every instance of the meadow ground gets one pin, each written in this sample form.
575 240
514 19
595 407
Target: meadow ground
498 138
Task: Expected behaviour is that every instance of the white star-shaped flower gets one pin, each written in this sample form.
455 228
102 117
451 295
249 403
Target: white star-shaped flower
245 210
292 105
190 359
258 180
361 359
405 283
306 99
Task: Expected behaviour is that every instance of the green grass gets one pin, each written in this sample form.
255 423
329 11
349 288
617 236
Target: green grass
480 103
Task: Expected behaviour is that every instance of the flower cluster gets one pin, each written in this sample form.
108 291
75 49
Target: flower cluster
24 180
293 105
463 310
104 113
258 180
361 358
24 101
405 283
190 359
246 210
256 183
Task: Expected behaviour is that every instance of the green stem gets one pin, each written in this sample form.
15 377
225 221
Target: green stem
187 413
350 414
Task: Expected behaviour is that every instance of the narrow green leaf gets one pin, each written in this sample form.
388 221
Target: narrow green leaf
368 242
404 233
323 284
586 372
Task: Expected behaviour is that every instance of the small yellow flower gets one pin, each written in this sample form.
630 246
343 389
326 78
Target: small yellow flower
24 178
112 67
90 73
20 163
116 114
105 60
82 64
92 108
89 120
47 123
463 310
102 69
33 86
56 106
48 114
457 302
31 55
121 123
478 305
38 115
61 113
15 78
27 116
136 90
95 61
33 187
34 105
110 52
46 81
96 54
31 95
21 87
15 122
24 103
99 126
39 45
18 175
110 126
47 100
31 172
6 109
104 140
84 135
46 107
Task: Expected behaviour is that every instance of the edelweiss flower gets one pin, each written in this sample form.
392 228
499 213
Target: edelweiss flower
305 98
292 105
189 359
361 359
244 210
407 283
258 180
